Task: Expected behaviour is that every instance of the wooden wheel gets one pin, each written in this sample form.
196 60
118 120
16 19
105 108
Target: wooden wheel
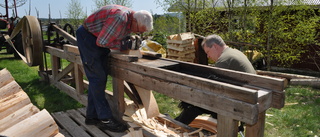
32 41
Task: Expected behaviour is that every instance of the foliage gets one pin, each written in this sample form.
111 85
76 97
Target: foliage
100 3
284 33
293 29
162 29
75 13
40 93
299 117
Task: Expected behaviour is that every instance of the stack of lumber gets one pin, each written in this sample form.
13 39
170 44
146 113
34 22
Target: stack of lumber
181 47
18 116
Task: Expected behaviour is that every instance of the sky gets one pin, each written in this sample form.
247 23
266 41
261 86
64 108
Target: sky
59 7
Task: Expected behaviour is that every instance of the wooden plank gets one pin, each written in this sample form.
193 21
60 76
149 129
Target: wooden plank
40 124
66 35
235 109
82 111
227 127
67 123
64 71
18 116
241 77
148 101
164 119
5 77
132 93
151 54
13 103
283 75
71 48
71 91
62 54
9 89
155 69
93 130
256 130
124 57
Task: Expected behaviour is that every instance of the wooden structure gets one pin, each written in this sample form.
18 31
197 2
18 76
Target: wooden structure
18 116
234 96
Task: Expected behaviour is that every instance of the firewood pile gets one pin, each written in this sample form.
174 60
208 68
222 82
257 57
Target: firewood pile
181 47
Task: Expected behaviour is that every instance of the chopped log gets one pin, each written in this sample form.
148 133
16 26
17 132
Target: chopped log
18 116
306 82
40 124
13 103
205 122
9 89
5 77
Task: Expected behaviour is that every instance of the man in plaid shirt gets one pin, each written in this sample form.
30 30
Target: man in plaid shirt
100 34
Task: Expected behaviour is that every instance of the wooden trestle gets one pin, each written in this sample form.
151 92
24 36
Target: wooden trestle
234 96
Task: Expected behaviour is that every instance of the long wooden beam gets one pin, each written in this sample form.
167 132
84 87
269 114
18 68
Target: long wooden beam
211 101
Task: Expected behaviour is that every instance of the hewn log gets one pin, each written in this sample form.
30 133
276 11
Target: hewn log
13 103
306 82
5 77
155 69
40 124
9 89
217 103
18 116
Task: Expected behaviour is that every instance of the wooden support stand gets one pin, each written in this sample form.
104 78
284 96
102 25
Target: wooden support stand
235 96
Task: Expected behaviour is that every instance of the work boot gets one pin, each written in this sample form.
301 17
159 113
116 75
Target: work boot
92 121
112 125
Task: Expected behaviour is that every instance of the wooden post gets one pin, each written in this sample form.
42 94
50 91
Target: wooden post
78 75
256 130
118 98
55 66
227 127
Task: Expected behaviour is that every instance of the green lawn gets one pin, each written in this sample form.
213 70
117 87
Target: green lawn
299 118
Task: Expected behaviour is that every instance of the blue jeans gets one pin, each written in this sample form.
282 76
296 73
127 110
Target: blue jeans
94 60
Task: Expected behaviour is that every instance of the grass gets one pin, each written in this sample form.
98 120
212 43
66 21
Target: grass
299 118
40 93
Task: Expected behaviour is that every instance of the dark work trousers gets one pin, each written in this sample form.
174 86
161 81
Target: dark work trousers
190 112
94 60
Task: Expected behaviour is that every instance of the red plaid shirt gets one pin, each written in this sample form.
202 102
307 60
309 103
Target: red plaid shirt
110 24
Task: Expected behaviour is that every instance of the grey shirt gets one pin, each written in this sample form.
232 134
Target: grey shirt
235 60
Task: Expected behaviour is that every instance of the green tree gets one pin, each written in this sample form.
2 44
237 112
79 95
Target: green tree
75 13
100 3
165 25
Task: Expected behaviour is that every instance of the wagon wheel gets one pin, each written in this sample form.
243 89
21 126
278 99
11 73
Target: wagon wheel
32 41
